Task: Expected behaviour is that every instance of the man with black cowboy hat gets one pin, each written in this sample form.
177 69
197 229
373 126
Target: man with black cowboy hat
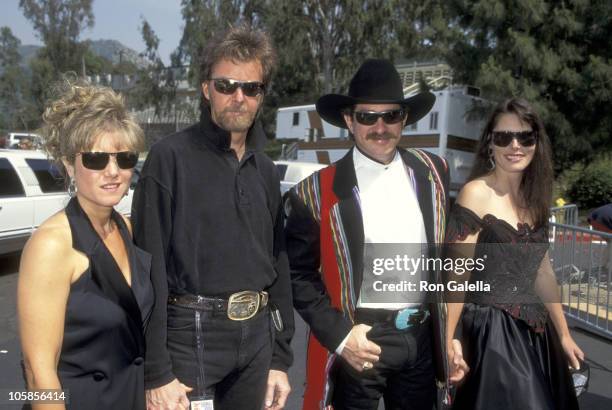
360 351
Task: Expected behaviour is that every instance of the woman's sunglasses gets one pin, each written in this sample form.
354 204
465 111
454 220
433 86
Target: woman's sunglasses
97 161
389 117
229 87
504 138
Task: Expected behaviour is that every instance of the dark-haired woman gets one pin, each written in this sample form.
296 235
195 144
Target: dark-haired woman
515 338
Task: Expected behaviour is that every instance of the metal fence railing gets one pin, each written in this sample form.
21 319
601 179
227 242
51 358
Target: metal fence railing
566 214
582 262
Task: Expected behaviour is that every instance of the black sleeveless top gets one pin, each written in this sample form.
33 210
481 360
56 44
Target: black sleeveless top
102 357
514 255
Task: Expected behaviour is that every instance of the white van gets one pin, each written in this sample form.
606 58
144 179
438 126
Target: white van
14 138
292 172
31 190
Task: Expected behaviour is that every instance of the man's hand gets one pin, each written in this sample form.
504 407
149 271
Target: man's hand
457 366
359 352
277 391
172 396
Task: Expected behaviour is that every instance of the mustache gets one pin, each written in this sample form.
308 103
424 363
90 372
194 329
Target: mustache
376 136
237 108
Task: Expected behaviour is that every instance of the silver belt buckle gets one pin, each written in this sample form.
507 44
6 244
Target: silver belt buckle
243 305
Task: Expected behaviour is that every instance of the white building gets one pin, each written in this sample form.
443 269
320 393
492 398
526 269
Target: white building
302 122
451 130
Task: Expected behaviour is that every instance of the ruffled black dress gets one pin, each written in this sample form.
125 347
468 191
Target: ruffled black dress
513 351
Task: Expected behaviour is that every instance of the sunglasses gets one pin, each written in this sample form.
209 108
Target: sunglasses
389 117
229 87
504 138
97 161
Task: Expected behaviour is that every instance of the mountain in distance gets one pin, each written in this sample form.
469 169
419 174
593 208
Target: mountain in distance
111 50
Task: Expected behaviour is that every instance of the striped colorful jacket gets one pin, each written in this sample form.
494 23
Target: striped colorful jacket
325 242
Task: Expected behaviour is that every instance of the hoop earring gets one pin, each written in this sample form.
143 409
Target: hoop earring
491 162
72 188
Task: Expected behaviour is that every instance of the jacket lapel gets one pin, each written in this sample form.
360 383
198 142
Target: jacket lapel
423 190
345 188
104 270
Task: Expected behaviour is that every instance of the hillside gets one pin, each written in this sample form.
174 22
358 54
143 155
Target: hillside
111 50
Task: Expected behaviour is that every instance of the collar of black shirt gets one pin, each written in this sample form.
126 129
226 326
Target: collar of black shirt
212 134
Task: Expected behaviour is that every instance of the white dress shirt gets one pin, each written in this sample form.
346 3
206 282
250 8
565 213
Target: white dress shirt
389 209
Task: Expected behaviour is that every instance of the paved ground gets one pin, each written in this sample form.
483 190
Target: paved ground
598 351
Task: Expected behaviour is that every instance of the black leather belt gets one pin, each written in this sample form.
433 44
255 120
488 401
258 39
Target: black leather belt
239 306
402 319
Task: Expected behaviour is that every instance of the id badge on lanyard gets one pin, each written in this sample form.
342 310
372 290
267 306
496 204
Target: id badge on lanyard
203 400
202 403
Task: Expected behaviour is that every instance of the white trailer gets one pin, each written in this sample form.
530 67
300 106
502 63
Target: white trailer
302 123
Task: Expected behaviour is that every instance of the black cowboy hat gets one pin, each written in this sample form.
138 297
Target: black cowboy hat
376 82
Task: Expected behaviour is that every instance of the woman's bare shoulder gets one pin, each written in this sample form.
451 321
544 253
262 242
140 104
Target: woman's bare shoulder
475 195
49 245
54 232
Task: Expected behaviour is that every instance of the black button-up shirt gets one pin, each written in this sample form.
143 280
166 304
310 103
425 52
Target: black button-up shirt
214 226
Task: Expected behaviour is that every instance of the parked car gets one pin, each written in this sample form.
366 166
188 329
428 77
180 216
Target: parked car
292 172
31 190
14 138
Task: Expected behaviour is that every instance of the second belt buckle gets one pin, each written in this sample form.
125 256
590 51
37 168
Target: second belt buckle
406 318
243 305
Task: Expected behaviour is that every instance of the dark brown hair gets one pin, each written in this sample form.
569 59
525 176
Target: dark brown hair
537 182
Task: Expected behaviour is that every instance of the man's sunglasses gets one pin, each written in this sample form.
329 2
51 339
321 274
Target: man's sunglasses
389 117
229 87
97 161
504 138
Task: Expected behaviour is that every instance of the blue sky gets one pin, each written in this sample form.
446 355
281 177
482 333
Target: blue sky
114 19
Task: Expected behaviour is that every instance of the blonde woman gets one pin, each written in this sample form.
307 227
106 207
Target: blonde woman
84 291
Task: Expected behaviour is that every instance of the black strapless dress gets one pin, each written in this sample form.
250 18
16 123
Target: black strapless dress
513 351
102 356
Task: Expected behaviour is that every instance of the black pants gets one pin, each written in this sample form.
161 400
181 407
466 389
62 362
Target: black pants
236 356
404 376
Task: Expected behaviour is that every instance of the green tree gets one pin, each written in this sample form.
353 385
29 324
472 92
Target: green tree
94 64
58 24
124 67
15 111
555 54
156 85
321 43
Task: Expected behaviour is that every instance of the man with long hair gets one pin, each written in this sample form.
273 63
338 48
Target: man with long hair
208 208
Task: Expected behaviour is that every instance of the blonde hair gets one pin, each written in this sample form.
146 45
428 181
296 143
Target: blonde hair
79 113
